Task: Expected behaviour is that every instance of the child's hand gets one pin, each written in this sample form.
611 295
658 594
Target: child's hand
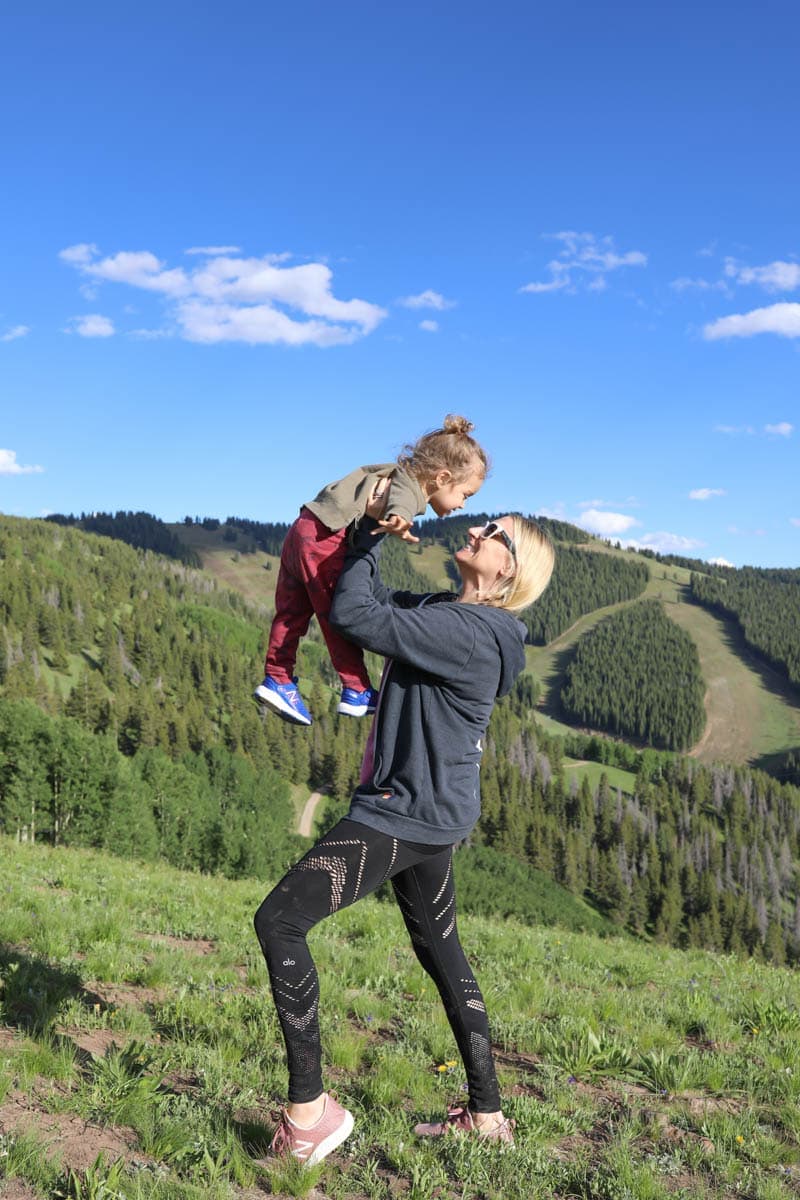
397 526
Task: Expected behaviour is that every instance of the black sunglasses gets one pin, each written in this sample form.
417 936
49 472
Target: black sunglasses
495 529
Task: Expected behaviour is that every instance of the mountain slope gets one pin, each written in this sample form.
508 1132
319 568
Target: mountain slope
752 713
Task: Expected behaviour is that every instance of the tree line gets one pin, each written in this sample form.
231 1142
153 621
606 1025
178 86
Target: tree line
637 674
582 580
451 531
139 529
766 606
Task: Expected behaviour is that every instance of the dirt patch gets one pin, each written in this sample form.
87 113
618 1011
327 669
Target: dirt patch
577 1145
120 995
700 1105
70 1139
95 1043
514 1058
7 1037
180 1082
15 1189
191 945
668 1132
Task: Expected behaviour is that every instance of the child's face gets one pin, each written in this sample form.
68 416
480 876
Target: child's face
449 495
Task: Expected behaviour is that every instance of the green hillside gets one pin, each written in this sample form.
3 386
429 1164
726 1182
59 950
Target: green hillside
752 712
140 1055
126 722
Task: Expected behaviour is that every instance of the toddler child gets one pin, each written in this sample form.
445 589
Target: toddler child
443 468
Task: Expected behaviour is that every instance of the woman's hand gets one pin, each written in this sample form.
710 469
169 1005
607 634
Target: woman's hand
396 525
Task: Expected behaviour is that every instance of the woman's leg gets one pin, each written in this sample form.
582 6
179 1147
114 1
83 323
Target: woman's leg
348 863
426 895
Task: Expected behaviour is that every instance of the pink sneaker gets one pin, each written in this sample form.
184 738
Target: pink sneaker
459 1120
310 1146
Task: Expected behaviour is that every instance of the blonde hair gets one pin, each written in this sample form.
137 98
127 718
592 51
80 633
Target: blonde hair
447 449
533 567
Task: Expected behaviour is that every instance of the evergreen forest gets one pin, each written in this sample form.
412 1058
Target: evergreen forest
638 674
126 724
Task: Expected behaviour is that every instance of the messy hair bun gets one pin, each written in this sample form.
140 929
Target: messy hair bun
450 448
455 424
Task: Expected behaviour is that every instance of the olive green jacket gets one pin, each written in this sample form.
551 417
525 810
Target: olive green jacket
346 499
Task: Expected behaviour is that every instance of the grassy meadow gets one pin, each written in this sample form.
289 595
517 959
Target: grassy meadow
594 772
140 1055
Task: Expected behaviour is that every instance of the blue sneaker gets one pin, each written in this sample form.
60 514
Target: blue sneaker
358 704
284 699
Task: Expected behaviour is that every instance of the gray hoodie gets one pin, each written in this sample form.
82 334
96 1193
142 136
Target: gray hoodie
449 663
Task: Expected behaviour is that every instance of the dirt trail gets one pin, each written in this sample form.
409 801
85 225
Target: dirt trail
305 825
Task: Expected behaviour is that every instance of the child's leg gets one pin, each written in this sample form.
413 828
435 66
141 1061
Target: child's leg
347 659
319 566
293 609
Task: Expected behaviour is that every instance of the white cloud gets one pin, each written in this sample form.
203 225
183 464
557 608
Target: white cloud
782 429
138 268
665 543
773 277
93 325
427 299
10 466
236 299
705 493
429 326
257 324
150 335
583 254
212 251
17 331
720 562
554 285
78 255
684 284
558 512
734 430
794 521
783 319
606 524
628 502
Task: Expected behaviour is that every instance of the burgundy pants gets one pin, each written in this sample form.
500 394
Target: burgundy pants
311 561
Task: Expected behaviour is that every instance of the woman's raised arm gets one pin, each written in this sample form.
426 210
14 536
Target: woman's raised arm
432 637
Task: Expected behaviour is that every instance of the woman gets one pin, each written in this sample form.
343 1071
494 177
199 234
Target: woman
450 658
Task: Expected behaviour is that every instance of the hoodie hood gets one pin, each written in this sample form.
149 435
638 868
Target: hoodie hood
509 633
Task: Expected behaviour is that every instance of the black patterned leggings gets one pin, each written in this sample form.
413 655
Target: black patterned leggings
351 861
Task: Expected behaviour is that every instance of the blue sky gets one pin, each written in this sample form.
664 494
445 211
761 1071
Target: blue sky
247 248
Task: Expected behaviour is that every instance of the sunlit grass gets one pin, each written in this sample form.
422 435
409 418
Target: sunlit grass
632 1070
